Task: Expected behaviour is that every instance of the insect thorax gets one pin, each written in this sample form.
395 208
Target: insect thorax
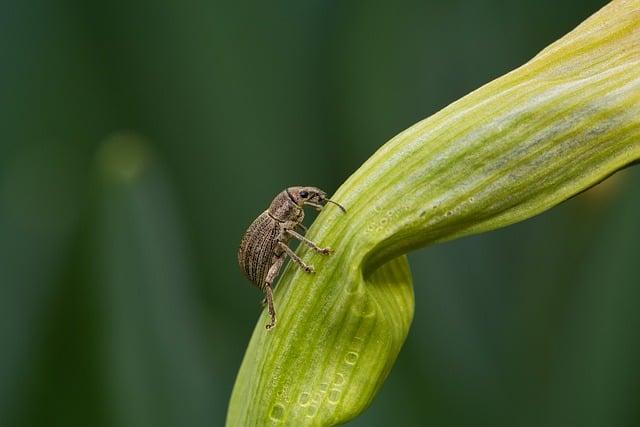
284 209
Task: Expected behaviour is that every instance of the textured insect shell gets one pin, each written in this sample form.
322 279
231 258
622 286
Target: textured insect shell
255 255
284 208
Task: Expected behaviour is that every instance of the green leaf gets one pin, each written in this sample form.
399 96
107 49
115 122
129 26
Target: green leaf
515 147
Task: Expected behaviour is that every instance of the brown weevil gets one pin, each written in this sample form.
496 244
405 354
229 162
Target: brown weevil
264 247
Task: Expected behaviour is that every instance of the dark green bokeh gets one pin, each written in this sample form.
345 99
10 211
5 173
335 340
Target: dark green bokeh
140 138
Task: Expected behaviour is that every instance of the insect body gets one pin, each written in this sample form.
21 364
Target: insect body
263 248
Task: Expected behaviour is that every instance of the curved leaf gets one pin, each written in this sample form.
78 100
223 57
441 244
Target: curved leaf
510 150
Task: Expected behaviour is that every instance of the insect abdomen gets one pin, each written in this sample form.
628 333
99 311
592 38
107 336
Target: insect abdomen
255 255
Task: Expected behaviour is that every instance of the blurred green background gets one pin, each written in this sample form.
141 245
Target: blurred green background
139 140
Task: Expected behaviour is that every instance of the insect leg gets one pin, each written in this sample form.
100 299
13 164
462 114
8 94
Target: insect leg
268 289
274 270
308 242
272 311
296 258
315 205
301 226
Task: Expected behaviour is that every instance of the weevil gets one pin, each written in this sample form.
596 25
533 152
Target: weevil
264 247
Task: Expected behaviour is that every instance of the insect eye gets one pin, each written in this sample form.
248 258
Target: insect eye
304 194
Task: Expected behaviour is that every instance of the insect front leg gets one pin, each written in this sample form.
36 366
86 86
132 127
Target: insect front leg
308 242
317 206
296 258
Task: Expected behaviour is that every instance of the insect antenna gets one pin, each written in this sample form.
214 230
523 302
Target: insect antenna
337 204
